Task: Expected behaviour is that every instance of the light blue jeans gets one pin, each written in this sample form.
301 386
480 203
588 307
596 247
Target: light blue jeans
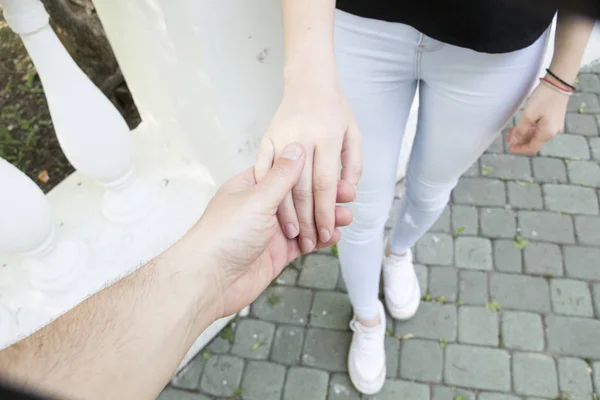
466 98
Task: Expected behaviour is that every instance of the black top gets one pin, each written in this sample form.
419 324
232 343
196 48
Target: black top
489 26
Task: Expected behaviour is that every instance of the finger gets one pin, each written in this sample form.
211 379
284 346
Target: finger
264 158
302 194
282 177
531 147
346 193
521 132
325 179
286 214
335 237
343 216
352 154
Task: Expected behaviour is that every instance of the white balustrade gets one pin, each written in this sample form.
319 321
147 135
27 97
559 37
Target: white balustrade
90 130
26 229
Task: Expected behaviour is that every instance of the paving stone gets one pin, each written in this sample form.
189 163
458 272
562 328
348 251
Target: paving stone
319 272
435 248
473 253
546 226
263 381
189 376
341 388
571 297
287 346
326 349
288 277
331 310
581 124
582 262
478 325
466 219
433 321
477 367
505 166
422 275
567 146
507 257
589 99
443 282
525 195
571 199
288 305
497 396
480 192
595 148
588 83
522 331
174 394
497 145
443 222
451 393
588 229
596 291
305 383
596 369
253 339
572 336
473 287
341 285
392 356
395 389
222 375
219 345
574 378
543 259
473 169
534 375
498 223
421 360
549 170
586 173
520 292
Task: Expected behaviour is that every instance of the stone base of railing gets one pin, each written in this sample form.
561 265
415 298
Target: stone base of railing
112 250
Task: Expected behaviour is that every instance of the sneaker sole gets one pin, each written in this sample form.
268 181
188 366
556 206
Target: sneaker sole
373 388
408 311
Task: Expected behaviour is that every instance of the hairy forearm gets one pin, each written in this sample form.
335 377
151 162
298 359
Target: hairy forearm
572 34
308 36
113 345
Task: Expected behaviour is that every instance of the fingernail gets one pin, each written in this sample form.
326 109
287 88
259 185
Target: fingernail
324 235
292 151
290 230
307 245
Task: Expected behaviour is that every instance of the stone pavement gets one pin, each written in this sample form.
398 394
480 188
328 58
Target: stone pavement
511 281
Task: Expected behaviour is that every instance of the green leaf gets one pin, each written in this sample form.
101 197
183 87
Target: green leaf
458 231
581 107
493 306
273 300
443 343
459 397
459 302
205 355
531 180
256 345
237 392
520 242
389 332
441 299
228 334
427 297
521 183
334 250
486 170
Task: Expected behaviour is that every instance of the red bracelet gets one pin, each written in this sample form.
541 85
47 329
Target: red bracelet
564 89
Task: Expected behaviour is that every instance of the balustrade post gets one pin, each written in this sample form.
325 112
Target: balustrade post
26 229
93 135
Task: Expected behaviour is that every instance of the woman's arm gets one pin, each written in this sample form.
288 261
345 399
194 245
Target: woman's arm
544 113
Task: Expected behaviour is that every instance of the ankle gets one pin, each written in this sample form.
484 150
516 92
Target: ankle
369 322
389 252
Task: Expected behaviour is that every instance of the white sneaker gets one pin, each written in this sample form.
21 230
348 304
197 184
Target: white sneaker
401 286
366 359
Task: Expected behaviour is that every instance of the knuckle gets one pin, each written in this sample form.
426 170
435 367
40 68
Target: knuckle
323 184
302 194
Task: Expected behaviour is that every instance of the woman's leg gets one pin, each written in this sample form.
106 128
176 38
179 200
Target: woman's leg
376 69
465 99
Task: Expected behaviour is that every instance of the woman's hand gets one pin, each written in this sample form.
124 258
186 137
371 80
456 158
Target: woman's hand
315 113
543 118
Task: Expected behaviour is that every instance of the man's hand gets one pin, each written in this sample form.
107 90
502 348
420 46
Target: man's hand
543 118
318 117
240 234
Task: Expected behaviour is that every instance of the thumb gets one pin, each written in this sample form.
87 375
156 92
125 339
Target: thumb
283 176
519 133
